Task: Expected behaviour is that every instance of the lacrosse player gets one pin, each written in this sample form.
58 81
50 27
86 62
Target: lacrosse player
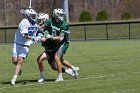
49 55
56 42
24 37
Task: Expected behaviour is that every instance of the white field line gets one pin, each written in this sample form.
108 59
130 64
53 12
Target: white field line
55 82
86 78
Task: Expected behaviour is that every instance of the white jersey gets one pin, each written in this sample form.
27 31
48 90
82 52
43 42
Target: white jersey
25 27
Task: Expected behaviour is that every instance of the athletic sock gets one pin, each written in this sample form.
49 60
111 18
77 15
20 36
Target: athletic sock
14 78
60 75
41 74
72 67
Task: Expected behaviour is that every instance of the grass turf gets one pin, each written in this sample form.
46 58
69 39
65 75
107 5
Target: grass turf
106 66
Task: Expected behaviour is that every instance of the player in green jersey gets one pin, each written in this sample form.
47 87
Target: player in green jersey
41 18
56 42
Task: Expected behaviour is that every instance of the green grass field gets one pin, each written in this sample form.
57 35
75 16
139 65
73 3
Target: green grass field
106 66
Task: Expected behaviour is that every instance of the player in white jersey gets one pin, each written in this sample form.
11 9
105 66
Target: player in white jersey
24 37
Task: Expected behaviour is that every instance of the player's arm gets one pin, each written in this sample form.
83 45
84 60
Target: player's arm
23 26
46 36
37 36
26 36
46 27
64 31
24 30
58 38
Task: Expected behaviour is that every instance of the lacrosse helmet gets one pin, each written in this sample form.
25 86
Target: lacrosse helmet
31 15
59 14
42 17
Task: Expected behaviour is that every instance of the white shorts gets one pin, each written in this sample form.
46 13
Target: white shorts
20 50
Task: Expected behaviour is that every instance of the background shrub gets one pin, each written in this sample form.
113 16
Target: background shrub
126 16
85 16
102 15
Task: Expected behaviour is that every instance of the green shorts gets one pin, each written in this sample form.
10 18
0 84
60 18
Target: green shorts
51 56
63 48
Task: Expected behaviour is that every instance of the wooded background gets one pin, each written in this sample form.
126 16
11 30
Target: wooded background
9 9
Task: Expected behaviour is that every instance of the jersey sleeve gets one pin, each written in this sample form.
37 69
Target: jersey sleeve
47 24
23 26
65 29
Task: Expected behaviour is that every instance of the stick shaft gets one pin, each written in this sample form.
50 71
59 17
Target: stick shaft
30 5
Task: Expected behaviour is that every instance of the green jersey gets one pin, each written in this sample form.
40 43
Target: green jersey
55 29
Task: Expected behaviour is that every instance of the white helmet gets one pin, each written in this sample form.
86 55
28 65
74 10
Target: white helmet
59 14
42 17
30 13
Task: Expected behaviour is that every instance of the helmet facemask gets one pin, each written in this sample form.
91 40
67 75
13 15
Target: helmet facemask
61 17
59 14
30 14
33 17
42 17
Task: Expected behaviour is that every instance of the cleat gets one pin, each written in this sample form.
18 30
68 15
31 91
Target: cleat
59 79
70 72
75 71
41 79
12 82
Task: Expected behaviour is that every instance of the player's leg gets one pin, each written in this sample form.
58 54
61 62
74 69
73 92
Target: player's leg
18 69
40 60
54 67
58 57
22 53
14 53
73 70
62 51
52 62
59 67
14 60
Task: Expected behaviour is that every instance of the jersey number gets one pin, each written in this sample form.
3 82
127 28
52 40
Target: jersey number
31 31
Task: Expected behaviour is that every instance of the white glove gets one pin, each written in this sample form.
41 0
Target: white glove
36 39
49 36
